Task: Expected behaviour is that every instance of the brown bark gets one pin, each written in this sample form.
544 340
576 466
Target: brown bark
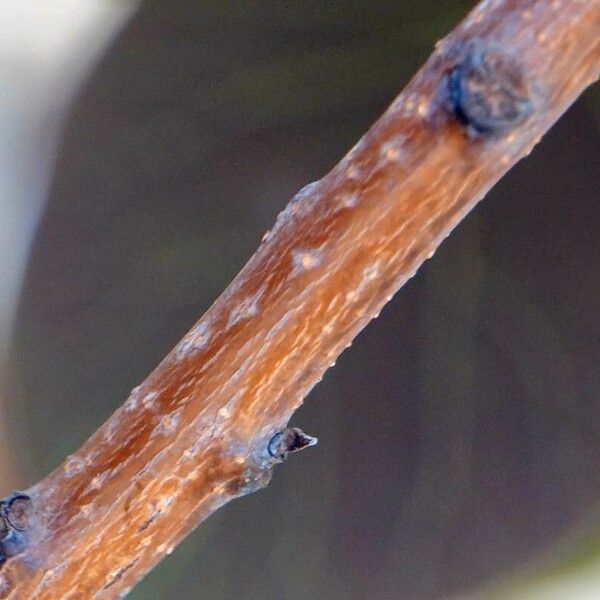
196 433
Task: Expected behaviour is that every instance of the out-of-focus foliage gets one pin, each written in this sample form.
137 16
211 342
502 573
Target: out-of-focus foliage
46 49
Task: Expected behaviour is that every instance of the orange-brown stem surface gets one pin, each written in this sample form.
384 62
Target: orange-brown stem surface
196 433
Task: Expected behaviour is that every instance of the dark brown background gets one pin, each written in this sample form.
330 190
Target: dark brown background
459 436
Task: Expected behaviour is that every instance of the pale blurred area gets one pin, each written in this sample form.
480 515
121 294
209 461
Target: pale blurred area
47 47
144 152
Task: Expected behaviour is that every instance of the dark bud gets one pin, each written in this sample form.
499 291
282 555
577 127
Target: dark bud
288 441
18 512
488 91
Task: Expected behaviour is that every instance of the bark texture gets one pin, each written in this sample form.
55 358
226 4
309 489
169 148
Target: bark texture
198 432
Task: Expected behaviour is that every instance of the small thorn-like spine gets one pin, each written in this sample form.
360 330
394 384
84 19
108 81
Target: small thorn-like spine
290 440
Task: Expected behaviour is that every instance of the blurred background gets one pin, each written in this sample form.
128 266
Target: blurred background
145 150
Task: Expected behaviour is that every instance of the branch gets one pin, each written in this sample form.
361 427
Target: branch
209 423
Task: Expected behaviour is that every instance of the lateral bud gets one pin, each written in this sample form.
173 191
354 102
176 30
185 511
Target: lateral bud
488 91
290 440
16 516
